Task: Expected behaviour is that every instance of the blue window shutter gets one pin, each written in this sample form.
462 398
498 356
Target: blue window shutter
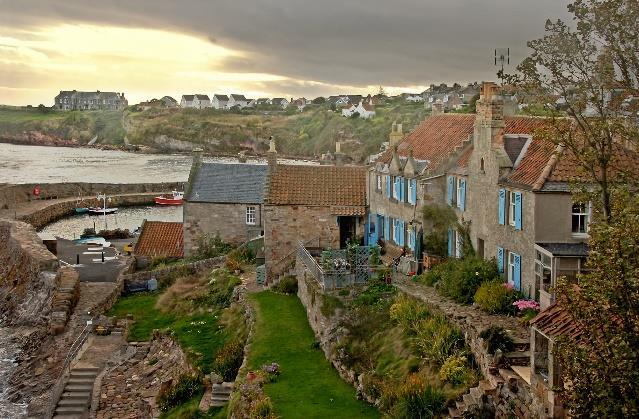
388 186
500 259
414 191
380 225
462 199
401 233
387 228
451 242
502 206
450 187
518 210
517 278
411 239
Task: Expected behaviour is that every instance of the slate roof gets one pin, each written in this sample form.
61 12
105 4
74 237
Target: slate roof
222 98
202 97
513 146
160 239
239 97
188 98
566 249
229 183
334 186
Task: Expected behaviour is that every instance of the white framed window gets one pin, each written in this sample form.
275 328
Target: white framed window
459 191
511 267
379 182
511 208
251 217
396 187
459 244
580 218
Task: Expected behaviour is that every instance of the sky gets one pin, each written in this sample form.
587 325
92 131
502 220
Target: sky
262 48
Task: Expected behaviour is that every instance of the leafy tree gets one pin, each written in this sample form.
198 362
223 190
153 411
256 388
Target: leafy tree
318 100
381 92
591 68
602 365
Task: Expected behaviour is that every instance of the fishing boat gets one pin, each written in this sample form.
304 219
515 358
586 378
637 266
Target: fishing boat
81 210
175 198
101 211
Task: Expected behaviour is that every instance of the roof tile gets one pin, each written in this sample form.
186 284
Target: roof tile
161 239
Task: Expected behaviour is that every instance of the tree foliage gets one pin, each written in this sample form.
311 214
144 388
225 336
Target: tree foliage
602 366
588 70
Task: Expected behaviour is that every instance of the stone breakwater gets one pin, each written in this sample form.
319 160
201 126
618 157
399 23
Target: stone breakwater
12 196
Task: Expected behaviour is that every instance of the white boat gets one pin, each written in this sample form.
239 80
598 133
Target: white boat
101 211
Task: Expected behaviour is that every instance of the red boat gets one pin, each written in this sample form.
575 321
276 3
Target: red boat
176 198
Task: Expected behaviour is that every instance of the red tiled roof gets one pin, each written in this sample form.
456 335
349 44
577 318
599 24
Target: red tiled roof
556 321
335 186
435 138
533 163
160 239
462 161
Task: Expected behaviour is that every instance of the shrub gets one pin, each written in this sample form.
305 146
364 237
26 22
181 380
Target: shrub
415 398
211 246
183 390
407 312
455 370
497 338
436 339
229 359
233 265
330 304
242 254
221 285
460 279
262 409
375 292
494 297
288 285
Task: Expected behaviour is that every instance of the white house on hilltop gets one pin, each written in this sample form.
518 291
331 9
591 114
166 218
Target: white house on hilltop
280 101
219 101
237 100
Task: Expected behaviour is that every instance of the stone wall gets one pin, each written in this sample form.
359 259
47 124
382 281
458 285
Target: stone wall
12 195
130 388
134 281
27 275
286 225
227 220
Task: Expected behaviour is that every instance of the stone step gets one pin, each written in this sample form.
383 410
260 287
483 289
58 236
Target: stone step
78 387
81 380
223 398
64 416
85 369
83 374
66 410
518 357
73 402
79 395
454 413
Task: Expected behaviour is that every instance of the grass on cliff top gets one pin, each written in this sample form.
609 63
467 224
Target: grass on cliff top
191 410
308 387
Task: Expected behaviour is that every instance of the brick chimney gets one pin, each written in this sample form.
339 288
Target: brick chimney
396 134
489 123
271 156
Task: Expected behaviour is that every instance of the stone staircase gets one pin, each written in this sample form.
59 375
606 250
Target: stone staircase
220 394
76 398
482 394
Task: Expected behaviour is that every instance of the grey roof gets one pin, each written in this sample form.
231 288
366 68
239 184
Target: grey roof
566 249
513 145
223 98
230 183
89 95
556 187
188 98
238 97
202 97
166 99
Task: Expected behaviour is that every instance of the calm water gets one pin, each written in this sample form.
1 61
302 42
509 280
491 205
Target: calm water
127 217
35 164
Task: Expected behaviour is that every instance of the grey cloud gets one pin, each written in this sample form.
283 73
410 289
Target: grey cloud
363 42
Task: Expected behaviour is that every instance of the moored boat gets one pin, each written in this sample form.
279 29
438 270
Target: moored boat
175 198
101 211
81 210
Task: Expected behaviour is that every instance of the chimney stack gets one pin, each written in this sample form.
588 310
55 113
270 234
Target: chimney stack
396 134
489 123
272 153
195 167
437 108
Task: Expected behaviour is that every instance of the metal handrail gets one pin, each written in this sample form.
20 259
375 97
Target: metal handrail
66 367
294 251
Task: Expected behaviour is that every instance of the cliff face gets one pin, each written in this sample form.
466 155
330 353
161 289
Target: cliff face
27 275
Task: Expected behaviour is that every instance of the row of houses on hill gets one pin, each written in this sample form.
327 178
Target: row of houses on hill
225 102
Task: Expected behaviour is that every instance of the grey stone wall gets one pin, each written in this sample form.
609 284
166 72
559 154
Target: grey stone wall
227 220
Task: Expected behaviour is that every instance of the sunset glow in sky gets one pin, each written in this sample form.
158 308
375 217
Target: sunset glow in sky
289 48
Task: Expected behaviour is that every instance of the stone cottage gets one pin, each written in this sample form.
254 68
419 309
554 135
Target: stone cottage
225 199
318 206
68 100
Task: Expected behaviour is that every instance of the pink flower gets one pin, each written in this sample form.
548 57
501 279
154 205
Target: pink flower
526 305
508 285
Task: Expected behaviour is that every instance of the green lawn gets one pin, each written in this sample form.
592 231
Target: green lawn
308 387
199 334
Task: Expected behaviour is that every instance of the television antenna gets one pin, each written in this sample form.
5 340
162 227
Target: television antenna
502 57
